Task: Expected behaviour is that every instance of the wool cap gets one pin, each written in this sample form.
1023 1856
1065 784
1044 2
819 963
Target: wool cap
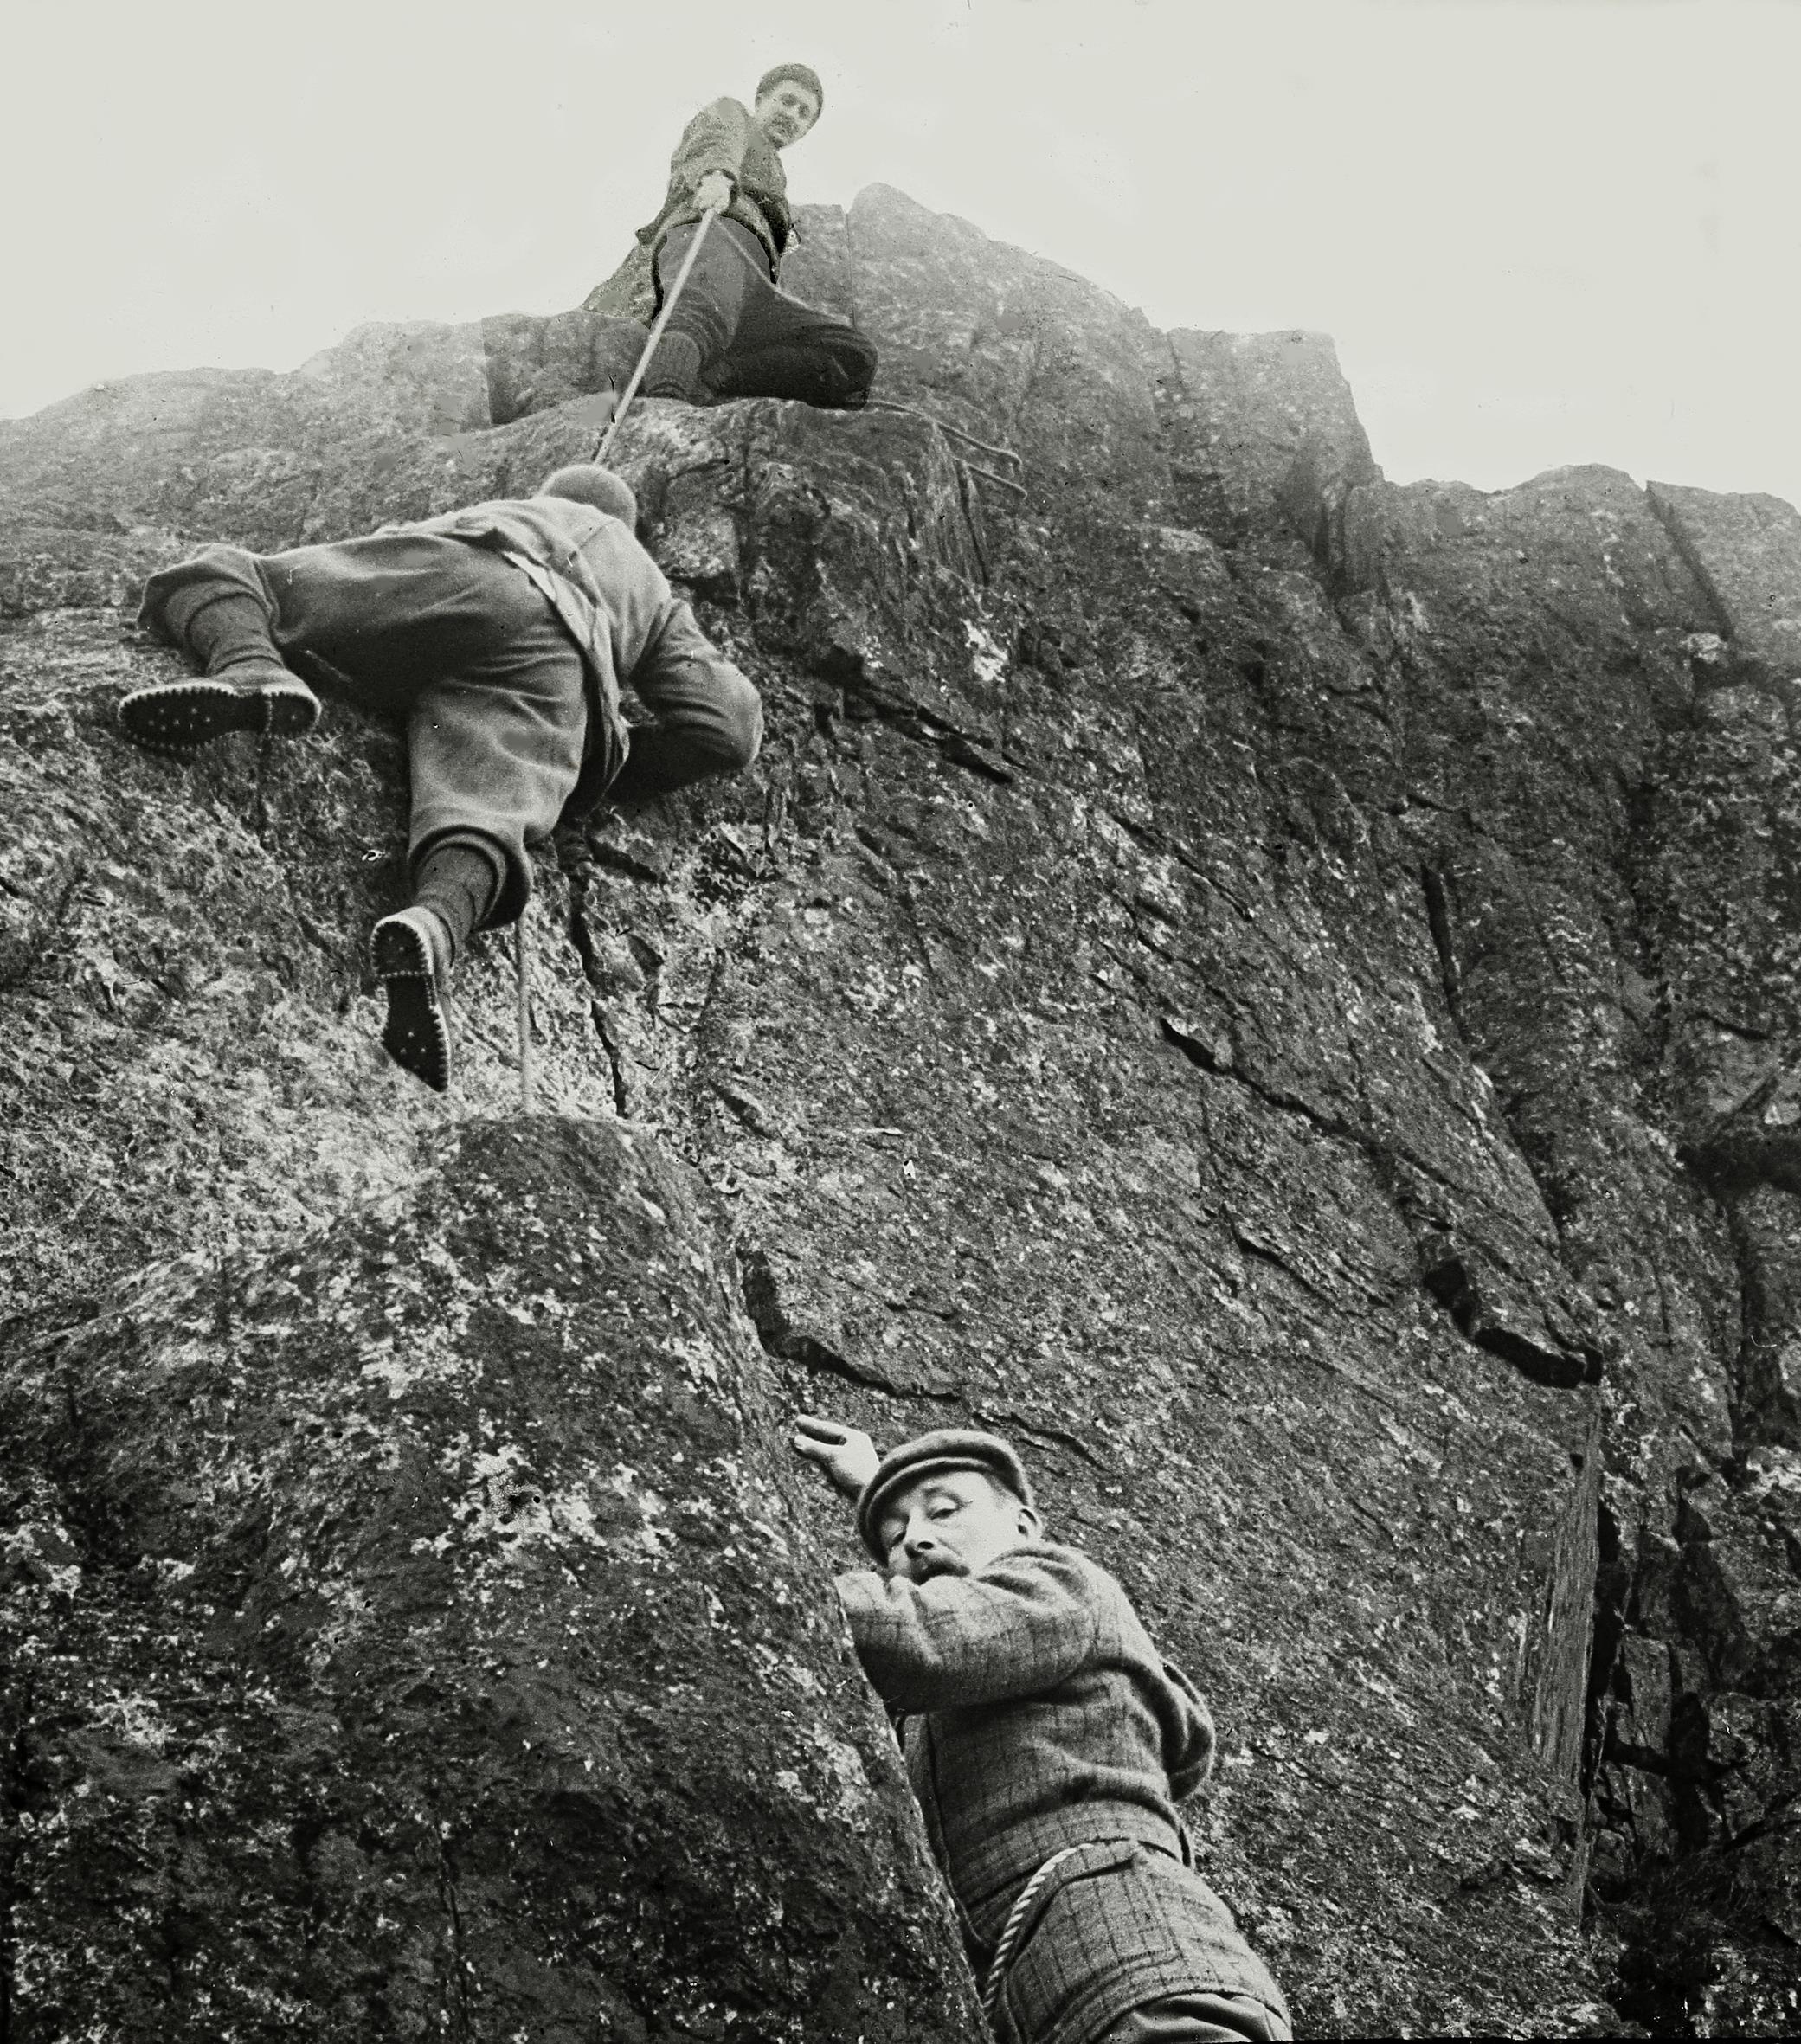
587 482
950 1447
801 74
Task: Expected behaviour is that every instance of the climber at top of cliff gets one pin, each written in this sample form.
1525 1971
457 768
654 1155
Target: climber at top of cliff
501 634
733 332
1048 1743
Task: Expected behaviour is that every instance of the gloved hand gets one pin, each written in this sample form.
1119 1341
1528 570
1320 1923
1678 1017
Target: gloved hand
848 1457
713 193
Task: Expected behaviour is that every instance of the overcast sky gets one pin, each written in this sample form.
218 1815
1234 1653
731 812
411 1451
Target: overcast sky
1541 231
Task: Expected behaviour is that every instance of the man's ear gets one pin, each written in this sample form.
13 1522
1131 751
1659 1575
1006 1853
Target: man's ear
1031 1526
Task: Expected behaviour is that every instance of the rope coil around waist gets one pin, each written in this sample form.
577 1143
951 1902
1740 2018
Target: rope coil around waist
1010 1929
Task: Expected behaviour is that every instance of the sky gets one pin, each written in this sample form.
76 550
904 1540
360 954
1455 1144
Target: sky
1540 232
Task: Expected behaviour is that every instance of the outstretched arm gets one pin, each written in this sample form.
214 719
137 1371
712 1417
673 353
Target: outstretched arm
710 154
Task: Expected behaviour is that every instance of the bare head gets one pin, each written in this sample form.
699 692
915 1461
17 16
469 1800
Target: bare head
587 482
789 99
946 1504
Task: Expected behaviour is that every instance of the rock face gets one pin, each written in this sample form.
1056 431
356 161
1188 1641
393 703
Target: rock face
408 1620
1276 990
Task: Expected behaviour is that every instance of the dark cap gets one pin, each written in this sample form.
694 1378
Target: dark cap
931 1454
801 74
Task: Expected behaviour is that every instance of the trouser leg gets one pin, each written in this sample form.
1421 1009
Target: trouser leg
458 643
732 333
496 751
1198 2019
785 349
709 722
704 318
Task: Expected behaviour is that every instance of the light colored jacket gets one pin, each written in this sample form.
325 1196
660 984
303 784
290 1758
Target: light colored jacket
613 599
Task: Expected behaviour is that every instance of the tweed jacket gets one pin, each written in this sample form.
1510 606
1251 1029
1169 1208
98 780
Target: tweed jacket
611 596
1038 1715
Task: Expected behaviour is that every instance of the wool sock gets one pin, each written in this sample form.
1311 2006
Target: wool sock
222 628
674 370
460 880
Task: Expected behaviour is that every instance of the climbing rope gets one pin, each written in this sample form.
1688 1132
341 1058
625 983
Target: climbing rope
1010 1933
656 334
522 965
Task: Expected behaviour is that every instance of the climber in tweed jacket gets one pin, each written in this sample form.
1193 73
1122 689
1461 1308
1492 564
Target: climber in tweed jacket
733 332
1048 1743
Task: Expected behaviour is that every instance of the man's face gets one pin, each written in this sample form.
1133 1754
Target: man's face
952 1523
785 112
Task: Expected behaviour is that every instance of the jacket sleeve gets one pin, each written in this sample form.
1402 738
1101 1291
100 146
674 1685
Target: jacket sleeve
714 140
683 679
1026 1623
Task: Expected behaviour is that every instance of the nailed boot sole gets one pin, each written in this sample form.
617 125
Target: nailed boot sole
183 715
416 1036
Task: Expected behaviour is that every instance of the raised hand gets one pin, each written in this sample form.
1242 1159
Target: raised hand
847 1456
713 193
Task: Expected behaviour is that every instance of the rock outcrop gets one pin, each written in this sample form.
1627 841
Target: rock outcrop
1274 988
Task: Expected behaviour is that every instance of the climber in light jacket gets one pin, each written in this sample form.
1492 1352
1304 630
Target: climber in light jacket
733 332
501 635
1049 1744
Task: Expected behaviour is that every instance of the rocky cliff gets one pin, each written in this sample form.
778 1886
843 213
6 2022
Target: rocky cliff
1275 989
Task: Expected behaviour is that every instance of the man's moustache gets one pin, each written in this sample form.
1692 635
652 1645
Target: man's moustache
948 1565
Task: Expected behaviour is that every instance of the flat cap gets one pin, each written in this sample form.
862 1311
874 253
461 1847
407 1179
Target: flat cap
930 1455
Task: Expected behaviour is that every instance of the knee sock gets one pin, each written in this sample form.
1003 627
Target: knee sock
674 370
222 626
460 880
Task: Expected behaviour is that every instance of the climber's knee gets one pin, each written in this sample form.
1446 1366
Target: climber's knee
173 597
854 362
740 728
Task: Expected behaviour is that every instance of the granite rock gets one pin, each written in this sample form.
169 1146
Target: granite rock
1269 985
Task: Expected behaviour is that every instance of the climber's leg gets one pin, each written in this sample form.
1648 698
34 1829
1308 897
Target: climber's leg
218 610
785 349
709 721
414 951
460 643
704 318
496 743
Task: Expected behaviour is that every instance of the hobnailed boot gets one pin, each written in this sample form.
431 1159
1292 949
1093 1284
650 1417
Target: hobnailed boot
411 951
245 687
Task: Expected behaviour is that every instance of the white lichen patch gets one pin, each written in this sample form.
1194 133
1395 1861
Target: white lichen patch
986 656
349 1618
436 1355
852 1797
136 1718
699 1365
